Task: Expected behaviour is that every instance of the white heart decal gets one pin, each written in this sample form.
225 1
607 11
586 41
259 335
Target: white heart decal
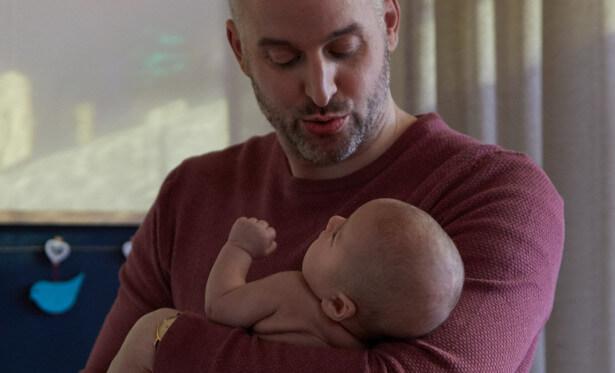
127 248
57 250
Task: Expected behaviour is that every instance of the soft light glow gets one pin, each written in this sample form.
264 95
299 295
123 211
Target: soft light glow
609 17
120 171
427 58
485 42
16 122
84 123
532 33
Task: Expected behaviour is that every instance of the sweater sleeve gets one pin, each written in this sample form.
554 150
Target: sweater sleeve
143 287
507 221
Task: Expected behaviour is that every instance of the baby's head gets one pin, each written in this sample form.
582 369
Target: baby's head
387 270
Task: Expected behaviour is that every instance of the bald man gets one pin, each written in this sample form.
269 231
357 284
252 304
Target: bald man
320 72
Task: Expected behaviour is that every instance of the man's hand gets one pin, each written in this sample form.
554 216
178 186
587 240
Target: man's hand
137 352
254 236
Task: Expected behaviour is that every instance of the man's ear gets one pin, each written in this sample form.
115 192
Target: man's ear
232 34
392 15
339 307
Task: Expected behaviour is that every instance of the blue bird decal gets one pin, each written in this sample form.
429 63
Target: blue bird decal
56 297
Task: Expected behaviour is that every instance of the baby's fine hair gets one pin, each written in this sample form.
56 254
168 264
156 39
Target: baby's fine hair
408 277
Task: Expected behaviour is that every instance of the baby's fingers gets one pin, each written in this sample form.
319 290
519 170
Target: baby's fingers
271 248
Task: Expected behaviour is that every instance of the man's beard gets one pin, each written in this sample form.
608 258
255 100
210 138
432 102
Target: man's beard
358 130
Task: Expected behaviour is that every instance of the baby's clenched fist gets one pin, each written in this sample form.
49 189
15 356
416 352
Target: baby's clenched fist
253 235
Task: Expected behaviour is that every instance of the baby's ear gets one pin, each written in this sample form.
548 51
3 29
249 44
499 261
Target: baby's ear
338 307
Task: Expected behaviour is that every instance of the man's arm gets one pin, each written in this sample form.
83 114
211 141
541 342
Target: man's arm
510 235
297 319
146 288
137 352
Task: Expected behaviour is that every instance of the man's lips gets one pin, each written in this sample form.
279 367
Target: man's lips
324 125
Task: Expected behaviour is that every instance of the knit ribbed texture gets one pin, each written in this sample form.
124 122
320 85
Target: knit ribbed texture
500 209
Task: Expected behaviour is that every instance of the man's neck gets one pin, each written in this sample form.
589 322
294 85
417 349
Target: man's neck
395 123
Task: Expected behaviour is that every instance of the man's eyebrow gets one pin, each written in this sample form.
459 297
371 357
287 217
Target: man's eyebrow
353 28
271 42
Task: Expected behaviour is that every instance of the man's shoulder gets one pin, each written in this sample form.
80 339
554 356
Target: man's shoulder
455 168
435 138
438 148
481 154
491 165
489 173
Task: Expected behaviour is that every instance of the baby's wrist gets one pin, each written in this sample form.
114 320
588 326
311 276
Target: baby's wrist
239 248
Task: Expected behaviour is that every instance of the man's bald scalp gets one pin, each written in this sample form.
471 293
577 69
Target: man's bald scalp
234 8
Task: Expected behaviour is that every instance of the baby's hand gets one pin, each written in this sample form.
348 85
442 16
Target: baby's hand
254 236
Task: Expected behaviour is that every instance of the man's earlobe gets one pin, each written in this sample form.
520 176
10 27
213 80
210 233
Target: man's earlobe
339 307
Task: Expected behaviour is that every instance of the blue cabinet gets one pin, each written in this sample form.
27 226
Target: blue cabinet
33 341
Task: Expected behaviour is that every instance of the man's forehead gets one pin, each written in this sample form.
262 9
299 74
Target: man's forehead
352 29
291 19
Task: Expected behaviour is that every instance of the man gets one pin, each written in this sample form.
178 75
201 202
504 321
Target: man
320 71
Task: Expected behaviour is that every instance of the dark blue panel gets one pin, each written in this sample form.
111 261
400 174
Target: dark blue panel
37 342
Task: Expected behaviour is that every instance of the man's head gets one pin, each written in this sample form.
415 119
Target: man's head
234 7
320 70
388 270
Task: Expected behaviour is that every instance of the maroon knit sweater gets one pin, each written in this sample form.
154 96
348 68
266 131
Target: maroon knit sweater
500 209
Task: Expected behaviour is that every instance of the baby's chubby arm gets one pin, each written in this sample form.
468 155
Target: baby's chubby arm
228 299
280 307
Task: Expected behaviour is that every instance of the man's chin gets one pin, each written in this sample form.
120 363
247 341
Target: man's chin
320 151
324 157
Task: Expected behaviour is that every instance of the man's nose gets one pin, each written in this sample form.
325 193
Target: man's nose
320 83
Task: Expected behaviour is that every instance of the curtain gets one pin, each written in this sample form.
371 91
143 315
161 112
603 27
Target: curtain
538 77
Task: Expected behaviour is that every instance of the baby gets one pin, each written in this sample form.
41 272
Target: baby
389 270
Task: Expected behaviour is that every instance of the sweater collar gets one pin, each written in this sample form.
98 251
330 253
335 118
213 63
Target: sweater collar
424 124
